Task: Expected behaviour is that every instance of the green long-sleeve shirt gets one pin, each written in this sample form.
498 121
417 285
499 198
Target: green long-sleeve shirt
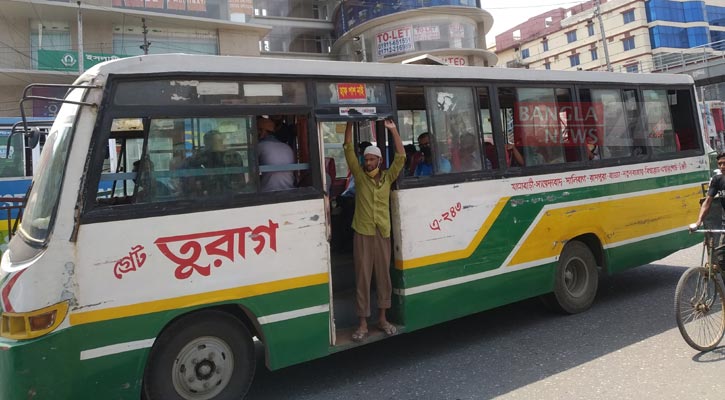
372 199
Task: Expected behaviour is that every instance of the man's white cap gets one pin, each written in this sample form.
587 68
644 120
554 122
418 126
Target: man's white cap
374 150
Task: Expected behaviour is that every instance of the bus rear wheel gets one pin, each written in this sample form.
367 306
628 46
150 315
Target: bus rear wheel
576 280
202 356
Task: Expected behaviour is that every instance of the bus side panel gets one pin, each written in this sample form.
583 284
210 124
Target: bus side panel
451 302
50 368
491 240
648 250
272 260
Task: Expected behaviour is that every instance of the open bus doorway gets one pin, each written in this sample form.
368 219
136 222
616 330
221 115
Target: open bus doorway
366 131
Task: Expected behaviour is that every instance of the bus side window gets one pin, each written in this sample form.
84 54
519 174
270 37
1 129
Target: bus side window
537 119
413 122
124 147
661 136
456 145
489 143
683 119
613 138
634 121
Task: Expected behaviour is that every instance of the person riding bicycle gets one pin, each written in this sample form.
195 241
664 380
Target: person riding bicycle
717 187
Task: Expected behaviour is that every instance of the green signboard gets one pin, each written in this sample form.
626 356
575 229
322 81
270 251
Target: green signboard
60 60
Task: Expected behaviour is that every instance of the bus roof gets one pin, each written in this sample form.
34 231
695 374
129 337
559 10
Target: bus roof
204 64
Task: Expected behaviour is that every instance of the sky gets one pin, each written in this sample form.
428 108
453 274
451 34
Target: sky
509 13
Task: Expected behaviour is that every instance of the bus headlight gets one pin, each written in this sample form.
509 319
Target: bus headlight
29 325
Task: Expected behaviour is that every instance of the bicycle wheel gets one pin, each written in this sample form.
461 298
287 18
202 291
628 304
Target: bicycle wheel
699 305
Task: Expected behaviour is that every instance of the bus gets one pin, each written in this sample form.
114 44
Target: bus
150 260
17 161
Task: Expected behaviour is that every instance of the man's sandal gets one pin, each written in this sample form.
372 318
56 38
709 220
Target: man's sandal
359 335
388 328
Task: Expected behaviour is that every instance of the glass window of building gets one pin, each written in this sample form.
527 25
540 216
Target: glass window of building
628 16
571 36
310 9
525 53
547 65
631 68
395 39
574 60
47 39
590 29
128 39
628 43
545 44
593 53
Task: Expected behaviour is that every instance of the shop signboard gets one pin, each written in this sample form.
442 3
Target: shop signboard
60 60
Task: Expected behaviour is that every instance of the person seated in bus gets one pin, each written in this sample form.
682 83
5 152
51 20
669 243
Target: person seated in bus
489 152
410 152
148 188
283 131
211 159
469 157
270 151
425 165
514 158
234 161
371 223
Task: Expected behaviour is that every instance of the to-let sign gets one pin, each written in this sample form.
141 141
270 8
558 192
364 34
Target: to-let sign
395 41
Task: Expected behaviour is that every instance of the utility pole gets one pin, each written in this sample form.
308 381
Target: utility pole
598 12
146 43
80 39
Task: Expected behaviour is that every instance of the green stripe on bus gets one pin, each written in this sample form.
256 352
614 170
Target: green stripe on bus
504 235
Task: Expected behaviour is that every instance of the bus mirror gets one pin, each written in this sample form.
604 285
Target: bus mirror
33 137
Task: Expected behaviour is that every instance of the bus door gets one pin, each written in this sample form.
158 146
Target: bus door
367 129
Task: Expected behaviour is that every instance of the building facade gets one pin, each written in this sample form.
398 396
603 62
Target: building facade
52 41
640 36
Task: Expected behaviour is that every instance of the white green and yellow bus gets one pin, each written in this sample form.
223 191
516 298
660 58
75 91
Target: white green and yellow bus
150 257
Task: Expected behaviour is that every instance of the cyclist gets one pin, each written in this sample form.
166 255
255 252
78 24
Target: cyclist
717 187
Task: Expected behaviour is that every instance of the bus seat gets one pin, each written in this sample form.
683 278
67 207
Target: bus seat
490 153
336 186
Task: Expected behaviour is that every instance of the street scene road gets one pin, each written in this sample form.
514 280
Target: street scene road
626 347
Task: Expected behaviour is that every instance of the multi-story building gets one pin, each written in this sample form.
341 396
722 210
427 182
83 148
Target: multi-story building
52 41
639 36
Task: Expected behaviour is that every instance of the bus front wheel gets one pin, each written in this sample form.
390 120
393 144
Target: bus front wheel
202 356
576 280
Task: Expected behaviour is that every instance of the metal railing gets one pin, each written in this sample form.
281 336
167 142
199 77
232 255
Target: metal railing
11 208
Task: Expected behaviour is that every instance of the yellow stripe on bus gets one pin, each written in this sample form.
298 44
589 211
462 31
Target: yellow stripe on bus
457 254
79 318
613 221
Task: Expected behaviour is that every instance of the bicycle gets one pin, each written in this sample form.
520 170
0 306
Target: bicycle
700 299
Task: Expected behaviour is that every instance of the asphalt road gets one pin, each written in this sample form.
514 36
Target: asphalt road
626 347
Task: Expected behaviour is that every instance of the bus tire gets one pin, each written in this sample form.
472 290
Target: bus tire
576 280
206 355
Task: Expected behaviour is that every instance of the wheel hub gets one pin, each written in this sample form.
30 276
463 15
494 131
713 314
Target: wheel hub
203 368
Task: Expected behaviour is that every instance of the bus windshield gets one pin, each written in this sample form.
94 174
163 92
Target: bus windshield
38 219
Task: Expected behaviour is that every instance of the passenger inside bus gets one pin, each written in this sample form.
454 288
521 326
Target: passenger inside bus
212 158
272 152
468 156
424 166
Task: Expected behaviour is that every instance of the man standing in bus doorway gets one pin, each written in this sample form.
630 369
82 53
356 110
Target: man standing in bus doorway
371 225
